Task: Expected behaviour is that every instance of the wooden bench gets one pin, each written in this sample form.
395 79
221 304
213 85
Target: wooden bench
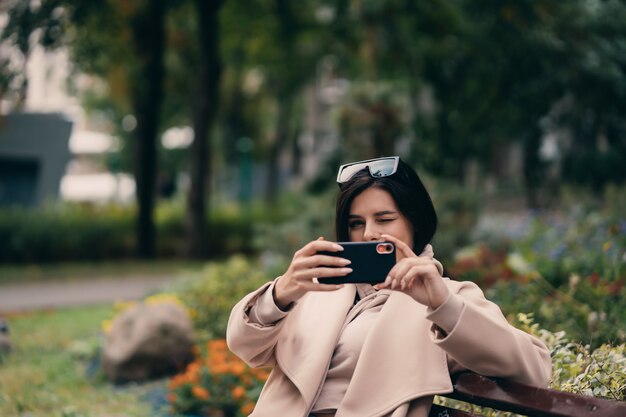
526 400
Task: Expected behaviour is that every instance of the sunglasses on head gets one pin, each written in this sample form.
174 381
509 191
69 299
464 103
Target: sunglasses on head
378 168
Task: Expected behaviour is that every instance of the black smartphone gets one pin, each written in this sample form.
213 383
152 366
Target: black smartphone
371 262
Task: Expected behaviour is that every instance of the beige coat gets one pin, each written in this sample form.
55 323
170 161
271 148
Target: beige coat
405 360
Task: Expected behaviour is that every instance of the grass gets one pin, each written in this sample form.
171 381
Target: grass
87 270
47 374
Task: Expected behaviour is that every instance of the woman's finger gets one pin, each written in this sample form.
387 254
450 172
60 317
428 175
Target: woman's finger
402 248
323 260
320 272
401 268
319 245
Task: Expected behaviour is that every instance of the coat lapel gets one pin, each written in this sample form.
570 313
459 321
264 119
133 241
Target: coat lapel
308 340
398 361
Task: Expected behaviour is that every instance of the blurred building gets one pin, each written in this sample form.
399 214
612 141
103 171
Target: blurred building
33 156
49 149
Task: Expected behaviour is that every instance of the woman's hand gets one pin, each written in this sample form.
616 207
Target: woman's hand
416 276
306 265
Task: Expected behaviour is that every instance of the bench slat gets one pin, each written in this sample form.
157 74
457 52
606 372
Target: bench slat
440 411
532 401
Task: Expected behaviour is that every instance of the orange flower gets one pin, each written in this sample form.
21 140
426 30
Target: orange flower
200 392
193 372
238 368
217 344
171 397
247 408
177 381
238 393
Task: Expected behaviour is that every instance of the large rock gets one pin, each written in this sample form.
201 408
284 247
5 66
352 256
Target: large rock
148 341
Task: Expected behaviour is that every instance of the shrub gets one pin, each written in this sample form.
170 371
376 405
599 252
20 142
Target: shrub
216 381
575 368
569 268
589 310
212 293
71 232
65 232
578 369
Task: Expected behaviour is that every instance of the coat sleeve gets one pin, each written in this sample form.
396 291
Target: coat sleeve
476 336
247 335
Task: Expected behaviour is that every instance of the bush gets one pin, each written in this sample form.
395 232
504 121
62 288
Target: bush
71 232
212 293
216 383
65 232
568 267
589 309
575 368
578 369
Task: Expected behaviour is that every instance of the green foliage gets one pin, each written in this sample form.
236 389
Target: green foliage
304 218
578 369
575 367
69 232
580 242
65 232
212 293
371 119
568 267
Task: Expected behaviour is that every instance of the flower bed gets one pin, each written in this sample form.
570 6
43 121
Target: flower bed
216 383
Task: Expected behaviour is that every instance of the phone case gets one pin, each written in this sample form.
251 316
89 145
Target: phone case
371 262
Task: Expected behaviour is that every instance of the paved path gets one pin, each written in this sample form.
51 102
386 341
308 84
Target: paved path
42 295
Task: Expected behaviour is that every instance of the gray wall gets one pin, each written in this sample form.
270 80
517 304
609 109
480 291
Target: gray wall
34 153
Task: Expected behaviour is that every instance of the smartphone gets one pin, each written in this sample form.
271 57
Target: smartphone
371 262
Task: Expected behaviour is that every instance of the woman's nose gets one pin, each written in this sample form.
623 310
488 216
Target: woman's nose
371 233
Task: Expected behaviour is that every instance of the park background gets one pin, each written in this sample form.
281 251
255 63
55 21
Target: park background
200 139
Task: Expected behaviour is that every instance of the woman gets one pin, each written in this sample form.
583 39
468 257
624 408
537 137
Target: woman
384 350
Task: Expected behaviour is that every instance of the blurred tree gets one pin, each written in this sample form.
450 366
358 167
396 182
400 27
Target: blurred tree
592 112
290 62
206 106
484 73
371 119
122 43
147 24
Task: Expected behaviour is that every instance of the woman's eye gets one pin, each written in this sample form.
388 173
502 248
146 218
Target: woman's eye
385 220
354 224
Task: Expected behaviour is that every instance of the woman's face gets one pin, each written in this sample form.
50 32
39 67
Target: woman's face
374 212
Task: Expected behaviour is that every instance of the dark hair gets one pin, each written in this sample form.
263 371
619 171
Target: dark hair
407 190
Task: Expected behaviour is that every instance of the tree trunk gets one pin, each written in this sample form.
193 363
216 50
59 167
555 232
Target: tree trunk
148 36
204 114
